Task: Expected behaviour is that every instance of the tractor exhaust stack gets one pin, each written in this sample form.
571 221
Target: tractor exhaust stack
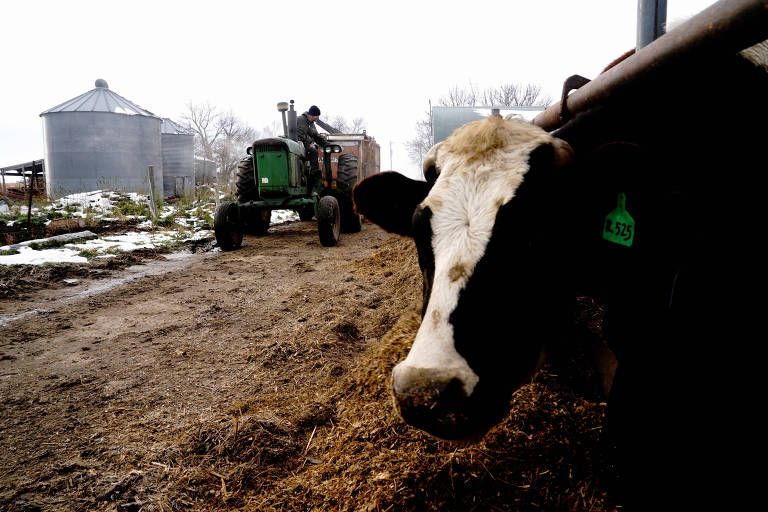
292 123
282 107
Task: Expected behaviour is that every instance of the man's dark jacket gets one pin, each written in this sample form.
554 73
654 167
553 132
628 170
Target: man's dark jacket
306 131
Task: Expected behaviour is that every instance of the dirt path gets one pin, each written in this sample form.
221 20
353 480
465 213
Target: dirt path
98 390
258 380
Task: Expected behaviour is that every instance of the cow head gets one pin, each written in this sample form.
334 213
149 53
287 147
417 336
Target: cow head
480 223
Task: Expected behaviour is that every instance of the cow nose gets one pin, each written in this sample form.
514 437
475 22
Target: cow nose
431 399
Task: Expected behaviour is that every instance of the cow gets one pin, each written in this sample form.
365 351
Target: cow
508 224
476 278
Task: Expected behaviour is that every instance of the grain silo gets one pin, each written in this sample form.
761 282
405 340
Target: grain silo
178 159
100 140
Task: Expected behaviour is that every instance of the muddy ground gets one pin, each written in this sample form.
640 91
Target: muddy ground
257 380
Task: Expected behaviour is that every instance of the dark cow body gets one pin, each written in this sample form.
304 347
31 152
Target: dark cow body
681 303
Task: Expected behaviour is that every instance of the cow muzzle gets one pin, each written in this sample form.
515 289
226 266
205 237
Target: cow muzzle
436 401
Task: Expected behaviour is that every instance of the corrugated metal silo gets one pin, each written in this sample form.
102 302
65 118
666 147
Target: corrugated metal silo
100 140
178 159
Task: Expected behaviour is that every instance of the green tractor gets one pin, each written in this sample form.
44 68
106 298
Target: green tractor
276 176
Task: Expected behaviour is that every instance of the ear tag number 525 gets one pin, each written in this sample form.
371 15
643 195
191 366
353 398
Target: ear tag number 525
619 226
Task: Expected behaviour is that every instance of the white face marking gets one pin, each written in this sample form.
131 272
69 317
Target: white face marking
464 202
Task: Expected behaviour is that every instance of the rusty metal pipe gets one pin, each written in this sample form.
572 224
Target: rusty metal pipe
724 28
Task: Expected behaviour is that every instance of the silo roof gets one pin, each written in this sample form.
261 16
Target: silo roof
100 99
172 127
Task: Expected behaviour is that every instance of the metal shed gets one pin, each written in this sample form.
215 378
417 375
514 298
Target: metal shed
446 119
100 140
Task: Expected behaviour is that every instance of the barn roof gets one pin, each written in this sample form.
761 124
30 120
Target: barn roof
100 99
173 128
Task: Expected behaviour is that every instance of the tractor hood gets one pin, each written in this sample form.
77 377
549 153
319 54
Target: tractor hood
277 143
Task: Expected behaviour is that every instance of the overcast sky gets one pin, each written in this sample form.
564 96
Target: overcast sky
383 61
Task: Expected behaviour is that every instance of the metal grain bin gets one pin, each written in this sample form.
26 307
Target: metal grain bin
178 159
100 140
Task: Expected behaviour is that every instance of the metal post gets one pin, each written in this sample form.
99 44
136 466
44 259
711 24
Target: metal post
651 21
152 202
216 187
31 190
5 190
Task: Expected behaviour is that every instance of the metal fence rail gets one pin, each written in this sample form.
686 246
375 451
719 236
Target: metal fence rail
724 28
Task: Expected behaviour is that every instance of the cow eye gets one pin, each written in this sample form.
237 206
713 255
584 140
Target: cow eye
421 230
431 173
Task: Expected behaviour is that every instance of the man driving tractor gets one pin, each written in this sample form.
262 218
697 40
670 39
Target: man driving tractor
307 134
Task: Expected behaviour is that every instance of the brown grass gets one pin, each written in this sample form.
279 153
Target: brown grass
336 444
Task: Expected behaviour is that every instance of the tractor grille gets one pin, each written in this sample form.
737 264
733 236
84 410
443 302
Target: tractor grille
263 148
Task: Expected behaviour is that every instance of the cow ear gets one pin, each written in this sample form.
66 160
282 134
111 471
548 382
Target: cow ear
557 154
564 155
389 200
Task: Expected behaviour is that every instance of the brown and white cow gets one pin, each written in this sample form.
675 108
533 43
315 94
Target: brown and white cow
486 306
508 234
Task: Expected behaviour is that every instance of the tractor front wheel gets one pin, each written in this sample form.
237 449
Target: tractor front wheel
328 221
226 226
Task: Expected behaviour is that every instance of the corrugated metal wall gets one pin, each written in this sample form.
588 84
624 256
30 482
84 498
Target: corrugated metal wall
95 150
178 164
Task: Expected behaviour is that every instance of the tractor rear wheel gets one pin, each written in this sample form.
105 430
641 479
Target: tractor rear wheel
348 174
246 183
328 221
226 226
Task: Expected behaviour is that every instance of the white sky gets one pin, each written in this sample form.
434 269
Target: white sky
382 61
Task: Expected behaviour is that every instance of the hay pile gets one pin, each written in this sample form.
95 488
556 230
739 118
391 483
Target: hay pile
540 458
336 444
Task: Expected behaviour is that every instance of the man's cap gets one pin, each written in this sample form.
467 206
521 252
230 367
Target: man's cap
314 111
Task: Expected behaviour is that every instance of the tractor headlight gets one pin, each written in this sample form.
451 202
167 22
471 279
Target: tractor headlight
332 148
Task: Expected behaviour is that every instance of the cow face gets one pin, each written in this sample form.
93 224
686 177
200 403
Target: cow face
477 224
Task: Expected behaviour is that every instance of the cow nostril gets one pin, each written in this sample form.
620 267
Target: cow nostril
427 391
447 403
452 394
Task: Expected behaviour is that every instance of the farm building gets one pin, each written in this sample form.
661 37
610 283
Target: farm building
102 140
446 119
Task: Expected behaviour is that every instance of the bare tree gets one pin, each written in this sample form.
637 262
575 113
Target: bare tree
273 129
203 120
505 95
220 137
357 125
418 146
339 123
460 97
236 136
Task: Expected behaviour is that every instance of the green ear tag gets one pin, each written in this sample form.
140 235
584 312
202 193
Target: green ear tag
619 226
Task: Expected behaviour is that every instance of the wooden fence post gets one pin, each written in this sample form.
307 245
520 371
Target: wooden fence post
31 191
152 202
